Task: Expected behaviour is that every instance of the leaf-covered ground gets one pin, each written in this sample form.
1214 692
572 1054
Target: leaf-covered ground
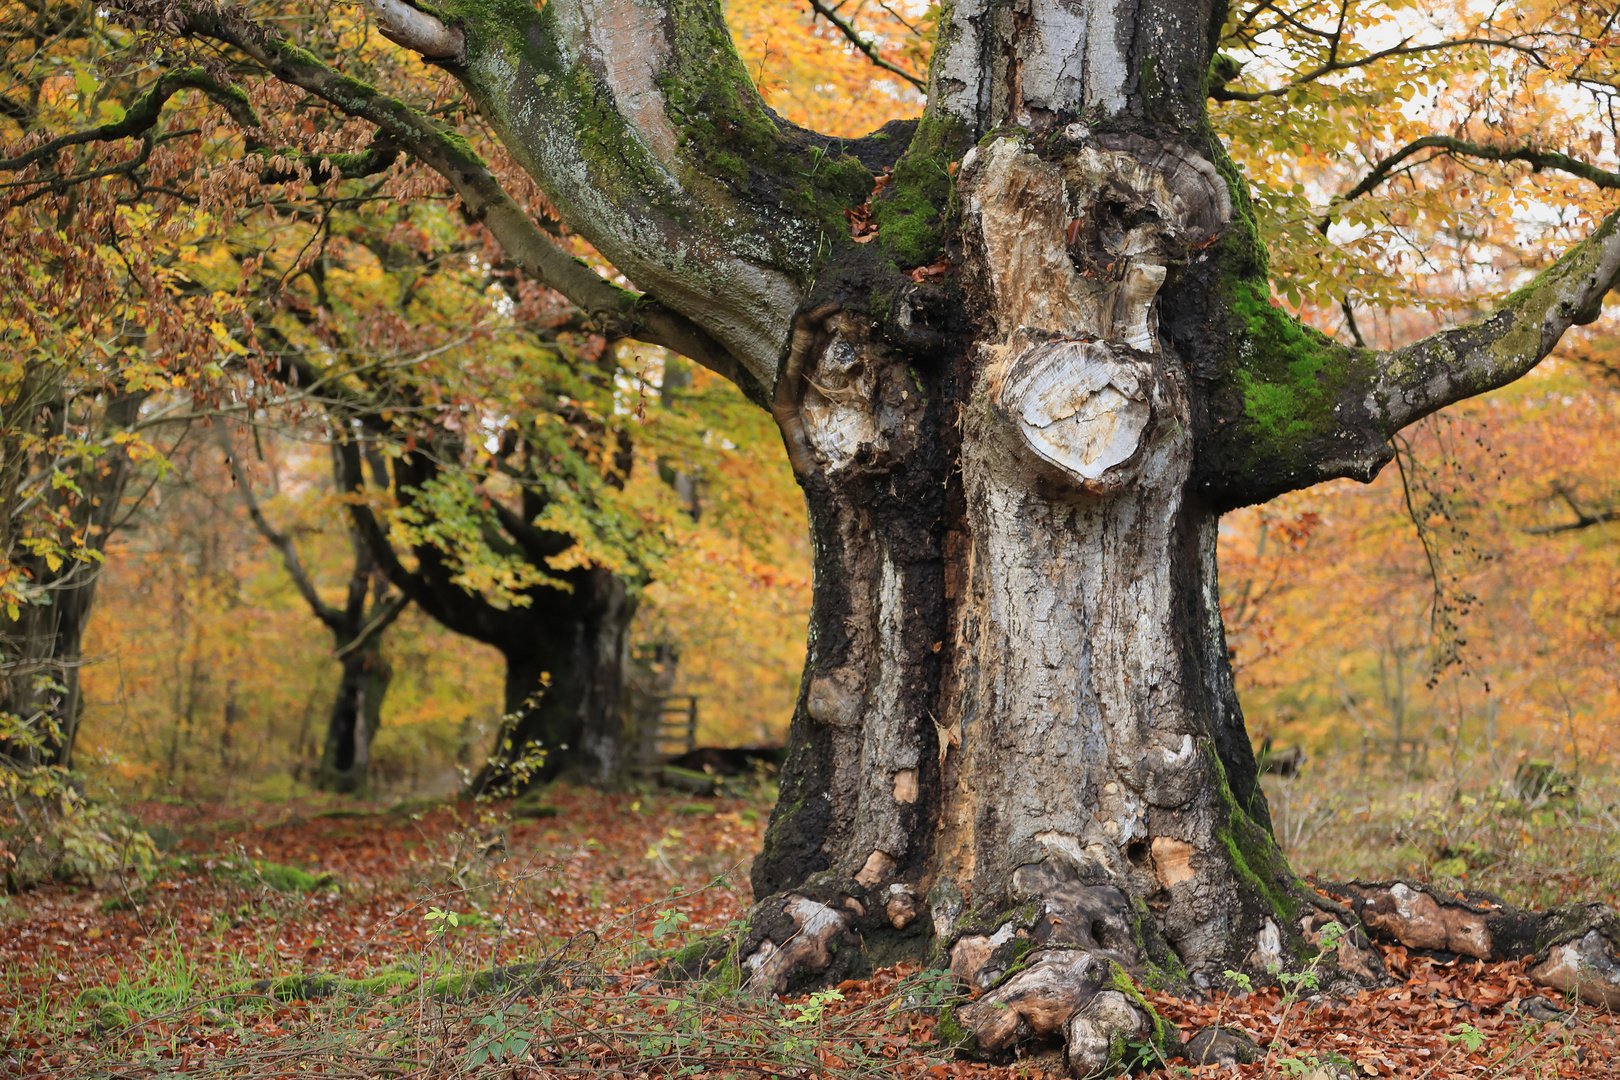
395 917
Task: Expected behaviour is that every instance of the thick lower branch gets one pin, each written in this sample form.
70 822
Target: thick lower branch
618 312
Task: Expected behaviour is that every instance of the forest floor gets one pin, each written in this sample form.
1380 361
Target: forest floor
396 919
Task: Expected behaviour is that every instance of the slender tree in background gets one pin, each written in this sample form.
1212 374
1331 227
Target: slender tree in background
64 472
1023 353
357 627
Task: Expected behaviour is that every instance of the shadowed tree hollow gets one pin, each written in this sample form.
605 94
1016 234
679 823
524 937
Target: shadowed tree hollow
1017 414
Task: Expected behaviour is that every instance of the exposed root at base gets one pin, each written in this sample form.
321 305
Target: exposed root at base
1573 949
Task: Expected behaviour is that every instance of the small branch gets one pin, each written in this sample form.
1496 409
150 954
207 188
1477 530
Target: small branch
1582 521
1536 159
278 540
418 31
390 611
143 116
866 47
1350 322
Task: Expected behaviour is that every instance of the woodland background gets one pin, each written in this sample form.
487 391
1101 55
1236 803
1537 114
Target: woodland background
1440 611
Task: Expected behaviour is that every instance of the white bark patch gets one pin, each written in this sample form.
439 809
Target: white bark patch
626 41
837 405
1093 1032
1586 968
418 31
1133 307
817 925
1021 207
717 272
1071 55
888 742
1268 946
1089 860
1038 1000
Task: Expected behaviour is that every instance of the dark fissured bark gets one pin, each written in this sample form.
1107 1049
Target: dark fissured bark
564 678
355 719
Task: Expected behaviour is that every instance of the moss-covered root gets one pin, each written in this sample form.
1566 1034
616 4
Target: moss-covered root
1086 1000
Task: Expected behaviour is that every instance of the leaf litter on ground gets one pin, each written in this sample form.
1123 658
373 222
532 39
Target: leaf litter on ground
204 972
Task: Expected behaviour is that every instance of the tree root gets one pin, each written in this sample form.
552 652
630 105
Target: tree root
1572 949
803 935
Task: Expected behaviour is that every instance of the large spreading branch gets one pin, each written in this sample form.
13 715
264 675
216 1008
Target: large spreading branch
617 311
641 124
1305 408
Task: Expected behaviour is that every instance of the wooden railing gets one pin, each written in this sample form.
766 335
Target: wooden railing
668 728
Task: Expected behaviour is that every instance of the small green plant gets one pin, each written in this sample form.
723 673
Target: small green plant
440 920
669 921
810 1016
504 1039
1295 985
1310 1064
1469 1036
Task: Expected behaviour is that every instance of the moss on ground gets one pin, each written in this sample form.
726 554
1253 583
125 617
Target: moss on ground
286 879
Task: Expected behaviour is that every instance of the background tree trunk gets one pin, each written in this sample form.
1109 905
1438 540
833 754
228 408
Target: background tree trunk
565 670
41 651
355 719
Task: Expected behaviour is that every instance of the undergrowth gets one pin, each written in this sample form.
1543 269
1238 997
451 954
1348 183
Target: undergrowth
1465 828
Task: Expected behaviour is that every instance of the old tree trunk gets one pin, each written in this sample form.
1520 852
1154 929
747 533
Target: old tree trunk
1018 748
